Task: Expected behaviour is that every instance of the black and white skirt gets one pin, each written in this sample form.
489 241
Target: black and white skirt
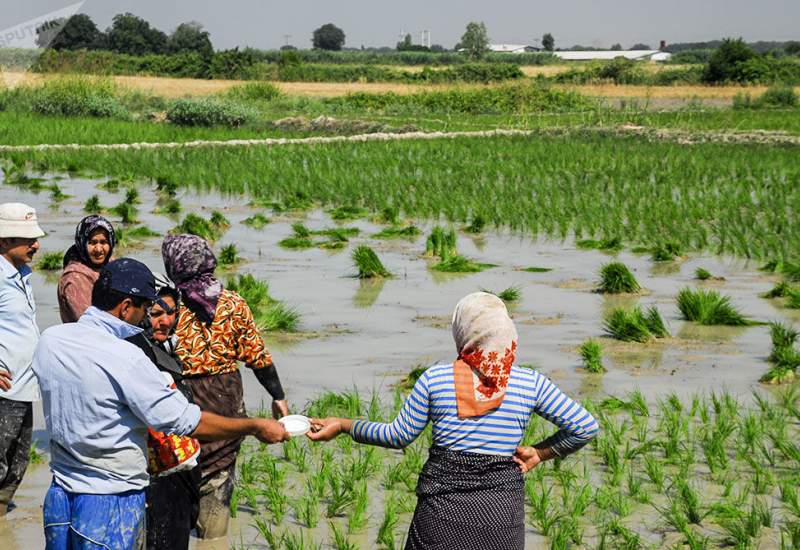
468 501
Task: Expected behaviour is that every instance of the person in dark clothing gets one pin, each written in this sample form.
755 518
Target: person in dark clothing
173 497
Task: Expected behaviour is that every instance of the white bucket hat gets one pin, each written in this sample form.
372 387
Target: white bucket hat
19 220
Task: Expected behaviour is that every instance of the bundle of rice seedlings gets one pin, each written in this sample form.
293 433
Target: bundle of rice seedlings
126 211
509 295
166 186
112 185
409 231
336 239
348 213
56 194
708 307
794 299
784 356
368 263
782 335
616 278
460 264
592 355
50 261
791 270
389 215
131 236
256 221
229 255
780 290
441 243
608 244
197 225
300 239
132 196
702 274
655 323
536 269
269 314
630 325
219 221
169 206
666 251
477 225
92 205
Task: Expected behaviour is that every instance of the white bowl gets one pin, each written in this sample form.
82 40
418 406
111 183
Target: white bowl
296 424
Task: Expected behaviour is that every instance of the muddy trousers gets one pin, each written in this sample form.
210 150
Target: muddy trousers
16 428
215 504
172 508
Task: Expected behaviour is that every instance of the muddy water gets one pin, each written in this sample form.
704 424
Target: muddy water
366 334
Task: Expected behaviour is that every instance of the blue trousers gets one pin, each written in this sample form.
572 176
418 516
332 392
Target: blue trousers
75 521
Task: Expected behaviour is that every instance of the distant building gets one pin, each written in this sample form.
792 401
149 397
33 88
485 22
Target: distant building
634 55
513 48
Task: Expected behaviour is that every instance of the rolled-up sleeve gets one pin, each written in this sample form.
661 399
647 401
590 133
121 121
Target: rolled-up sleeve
162 408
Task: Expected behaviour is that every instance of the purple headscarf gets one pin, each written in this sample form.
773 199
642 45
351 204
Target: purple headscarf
190 263
87 226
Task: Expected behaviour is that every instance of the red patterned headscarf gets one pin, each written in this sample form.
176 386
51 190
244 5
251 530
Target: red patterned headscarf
486 340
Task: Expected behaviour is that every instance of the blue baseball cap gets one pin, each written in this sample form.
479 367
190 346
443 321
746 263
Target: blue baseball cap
131 277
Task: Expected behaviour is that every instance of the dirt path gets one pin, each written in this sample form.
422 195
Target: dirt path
655 134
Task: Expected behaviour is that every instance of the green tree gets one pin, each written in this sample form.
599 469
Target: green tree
328 37
406 43
726 64
190 37
641 46
616 47
792 47
548 42
133 35
475 40
75 33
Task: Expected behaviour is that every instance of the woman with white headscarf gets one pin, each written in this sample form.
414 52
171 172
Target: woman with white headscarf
471 491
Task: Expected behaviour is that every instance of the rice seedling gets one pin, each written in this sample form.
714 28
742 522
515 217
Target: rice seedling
269 314
794 299
193 224
509 295
654 471
655 323
277 503
340 539
616 278
542 514
389 215
477 225
111 185
56 194
535 269
219 221
126 211
300 239
50 261
460 264
709 307
790 535
441 243
306 509
591 352
689 501
780 290
386 535
394 232
132 236
256 221
297 541
368 264
271 537
357 519
703 274
92 205
229 255
35 456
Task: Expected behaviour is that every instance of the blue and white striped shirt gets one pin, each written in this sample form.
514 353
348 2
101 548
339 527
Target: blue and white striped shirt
497 432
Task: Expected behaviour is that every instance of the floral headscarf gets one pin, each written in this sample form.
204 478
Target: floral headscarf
486 341
87 226
190 263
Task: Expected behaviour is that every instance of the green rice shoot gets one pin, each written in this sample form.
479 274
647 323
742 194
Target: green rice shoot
270 314
50 261
616 278
257 221
591 352
93 206
368 264
709 307
229 255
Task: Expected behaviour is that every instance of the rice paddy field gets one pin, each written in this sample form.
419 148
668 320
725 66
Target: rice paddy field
654 277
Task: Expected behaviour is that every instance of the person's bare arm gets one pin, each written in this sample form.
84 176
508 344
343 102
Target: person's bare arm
5 380
527 458
213 427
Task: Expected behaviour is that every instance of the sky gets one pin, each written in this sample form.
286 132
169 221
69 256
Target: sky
264 23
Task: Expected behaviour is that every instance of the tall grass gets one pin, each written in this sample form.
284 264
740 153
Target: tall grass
709 307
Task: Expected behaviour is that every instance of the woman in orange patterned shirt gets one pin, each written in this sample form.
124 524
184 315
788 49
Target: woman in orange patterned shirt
215 332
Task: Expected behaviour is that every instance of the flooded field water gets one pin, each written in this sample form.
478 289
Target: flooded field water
368 334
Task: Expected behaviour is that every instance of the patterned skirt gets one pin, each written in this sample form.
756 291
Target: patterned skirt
468 501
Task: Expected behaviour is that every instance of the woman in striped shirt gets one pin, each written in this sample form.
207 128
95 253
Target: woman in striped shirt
470 492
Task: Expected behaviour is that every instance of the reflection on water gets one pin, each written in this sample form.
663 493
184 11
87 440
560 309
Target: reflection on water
661 269
613 301
368 292
716 334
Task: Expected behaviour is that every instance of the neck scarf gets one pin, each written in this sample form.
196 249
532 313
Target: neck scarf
87 226
486 340
190 263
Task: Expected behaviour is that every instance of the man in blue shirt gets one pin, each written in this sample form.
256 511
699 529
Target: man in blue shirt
100 393
19 241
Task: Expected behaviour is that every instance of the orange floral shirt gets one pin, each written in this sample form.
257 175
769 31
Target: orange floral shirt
217 348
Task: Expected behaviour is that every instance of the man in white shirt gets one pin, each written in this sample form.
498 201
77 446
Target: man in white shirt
19 334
